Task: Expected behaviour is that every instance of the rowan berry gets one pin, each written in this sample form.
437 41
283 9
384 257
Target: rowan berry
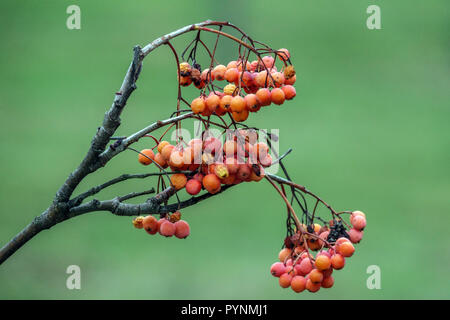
316 276
138 222
193 187
182 229
277 96
167 229
289 92
219 72
252 103
327 282
298 284
284 254
277 269
285 280
150 224
323 262
232 75
311 286
146 156
198 105
237 104
178 180
230 89
264 96
225 103
283 54
211 183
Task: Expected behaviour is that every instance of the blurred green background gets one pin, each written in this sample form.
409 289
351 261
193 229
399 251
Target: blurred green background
369 128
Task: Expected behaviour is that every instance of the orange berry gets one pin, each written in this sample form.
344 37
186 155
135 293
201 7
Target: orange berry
337 261
316 276
278 79
244 172
285 280
311 286
289 92
159 159
185 80
305 266
291 80
257 177
264 96
240 116
225 103
252 103
212 102
167 229
327 282
206 76
146 156
232 75
346 249
232 64
161 145
266 161
176 159
289 72
178 180
230 148
298 284
150 224
167 151
237 104
277 96
283 54
322 262
211 183
198 105
182 229
219 72
263 79
284 254
232 165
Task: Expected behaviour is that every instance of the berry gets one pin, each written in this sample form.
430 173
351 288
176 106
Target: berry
232 75
167 229
277 96
225 103
298 284
252 103
193 187
167 151
277 269
211 183
359 222
150 224
207 76
305 266
323 262
240 116
181 229
219 72
198 105
291 80
289 92
355 235
283 54
212 102
312 287
284 254
285 280
230 89
278 79
327 282
346 249
161 145
268 61
264 96
146 156
244 172
316 276
237 104
138 222
178 180
159 159
337 261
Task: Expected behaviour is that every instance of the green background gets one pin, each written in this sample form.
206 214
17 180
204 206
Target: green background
369 129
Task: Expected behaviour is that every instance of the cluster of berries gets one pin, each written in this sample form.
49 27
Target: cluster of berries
300 270
259 79
168 226
211 164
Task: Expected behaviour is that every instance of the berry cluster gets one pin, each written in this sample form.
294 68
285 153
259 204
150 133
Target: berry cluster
168 226
300 270
209 163
259 79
